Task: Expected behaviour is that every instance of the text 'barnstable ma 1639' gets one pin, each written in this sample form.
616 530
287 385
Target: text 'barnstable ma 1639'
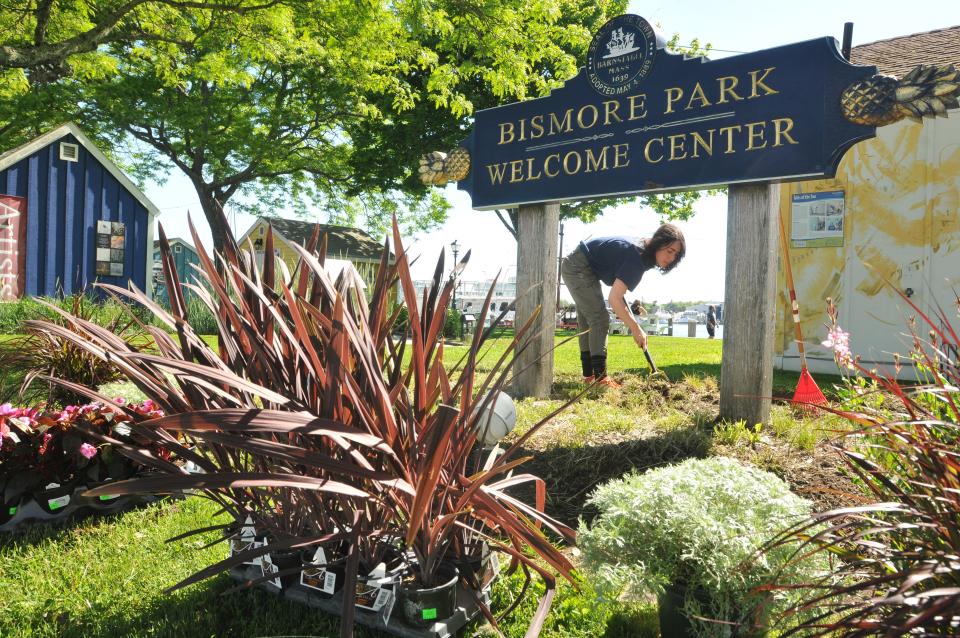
639 119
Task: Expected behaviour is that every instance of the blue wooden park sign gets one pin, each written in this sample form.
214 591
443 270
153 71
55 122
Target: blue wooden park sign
638 119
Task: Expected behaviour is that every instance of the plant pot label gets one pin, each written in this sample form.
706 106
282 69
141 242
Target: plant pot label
377 593
318 577
379 600
246 541
269 568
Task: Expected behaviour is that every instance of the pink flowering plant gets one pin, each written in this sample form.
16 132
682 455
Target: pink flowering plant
39 446
838 340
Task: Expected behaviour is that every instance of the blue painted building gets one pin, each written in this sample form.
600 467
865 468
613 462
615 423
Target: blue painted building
184 257
85 220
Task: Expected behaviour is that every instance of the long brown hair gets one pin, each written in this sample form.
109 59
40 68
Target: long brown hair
666 235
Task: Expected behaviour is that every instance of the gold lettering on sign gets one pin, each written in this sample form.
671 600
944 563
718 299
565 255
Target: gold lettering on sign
592 109
756 82
610 108
596 163
561 126
647 148
755 134
727 85
782 126
620 153
506 133
728 131
674 93
697 95
566 158
638 106
546 165
497 171
530 168
536 123
704 144
516 171
676 147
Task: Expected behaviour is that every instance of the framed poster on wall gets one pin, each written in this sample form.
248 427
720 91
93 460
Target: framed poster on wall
111 245
817 219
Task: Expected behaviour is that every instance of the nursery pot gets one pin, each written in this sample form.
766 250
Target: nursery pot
334 573
106 502
286 559
421 607
474 567
55 500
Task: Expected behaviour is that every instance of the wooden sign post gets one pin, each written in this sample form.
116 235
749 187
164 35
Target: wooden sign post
746 372
637 119
537 228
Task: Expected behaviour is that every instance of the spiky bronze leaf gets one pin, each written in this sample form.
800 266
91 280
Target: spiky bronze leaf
926 91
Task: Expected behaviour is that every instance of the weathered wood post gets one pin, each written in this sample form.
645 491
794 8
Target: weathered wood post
537 228
746 373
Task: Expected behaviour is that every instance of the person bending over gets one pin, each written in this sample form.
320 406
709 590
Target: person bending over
618 262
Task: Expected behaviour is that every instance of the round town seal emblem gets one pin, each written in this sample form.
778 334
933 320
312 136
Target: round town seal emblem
621 54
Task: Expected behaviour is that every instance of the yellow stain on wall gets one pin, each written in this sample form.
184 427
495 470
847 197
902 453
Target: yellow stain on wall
902 193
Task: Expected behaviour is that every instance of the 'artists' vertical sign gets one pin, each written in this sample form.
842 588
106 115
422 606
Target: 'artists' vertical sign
13 240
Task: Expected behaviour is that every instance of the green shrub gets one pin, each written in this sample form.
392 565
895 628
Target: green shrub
403 320
199 316
451 326
37 352
699 525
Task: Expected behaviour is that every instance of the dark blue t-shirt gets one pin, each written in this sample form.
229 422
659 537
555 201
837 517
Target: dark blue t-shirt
613 258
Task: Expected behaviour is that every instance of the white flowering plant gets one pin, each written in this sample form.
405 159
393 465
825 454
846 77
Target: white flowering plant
697 527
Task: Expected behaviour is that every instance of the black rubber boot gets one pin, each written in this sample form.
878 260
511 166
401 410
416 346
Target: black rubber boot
599 364
586 364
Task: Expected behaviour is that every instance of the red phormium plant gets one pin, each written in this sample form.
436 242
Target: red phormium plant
308 421
899 567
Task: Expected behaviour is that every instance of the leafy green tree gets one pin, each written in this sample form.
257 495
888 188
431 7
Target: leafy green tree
309 103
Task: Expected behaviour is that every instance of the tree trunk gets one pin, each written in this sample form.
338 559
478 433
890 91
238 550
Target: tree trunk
537 229
746 372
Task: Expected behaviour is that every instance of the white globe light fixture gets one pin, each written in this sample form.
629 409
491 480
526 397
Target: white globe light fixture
496 419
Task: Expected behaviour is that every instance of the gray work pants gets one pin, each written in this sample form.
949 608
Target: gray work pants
584 287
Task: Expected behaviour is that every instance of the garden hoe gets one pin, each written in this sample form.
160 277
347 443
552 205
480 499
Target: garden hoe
653 366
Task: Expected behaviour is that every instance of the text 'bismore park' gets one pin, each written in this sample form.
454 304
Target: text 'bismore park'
693 144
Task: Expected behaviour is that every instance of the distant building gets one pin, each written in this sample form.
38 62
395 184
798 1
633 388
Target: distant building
471 295
71 217
184 257
343 243
891 213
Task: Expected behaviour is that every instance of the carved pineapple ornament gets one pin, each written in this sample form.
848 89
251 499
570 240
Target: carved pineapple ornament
436 168
927 90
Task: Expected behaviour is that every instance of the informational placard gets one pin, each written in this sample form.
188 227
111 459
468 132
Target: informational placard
111 243
817 219
638 119
13 239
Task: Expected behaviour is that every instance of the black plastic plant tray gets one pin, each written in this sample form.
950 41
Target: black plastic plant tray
467 609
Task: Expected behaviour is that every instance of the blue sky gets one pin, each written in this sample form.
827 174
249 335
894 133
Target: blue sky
731 28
